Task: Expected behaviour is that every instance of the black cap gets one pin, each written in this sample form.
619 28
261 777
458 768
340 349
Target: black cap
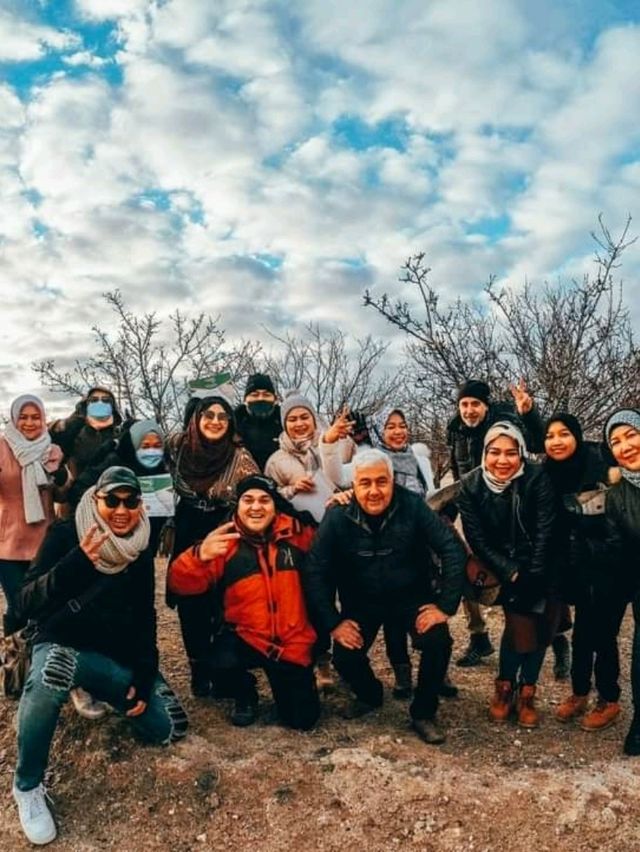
475 388
259 381
259 481
117 477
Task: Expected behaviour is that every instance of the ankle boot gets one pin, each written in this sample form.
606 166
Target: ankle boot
527 713
403 686
502 702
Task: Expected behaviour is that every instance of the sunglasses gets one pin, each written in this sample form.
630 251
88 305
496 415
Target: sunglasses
214 415
111 501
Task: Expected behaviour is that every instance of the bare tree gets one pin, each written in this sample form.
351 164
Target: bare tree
147 363
573 341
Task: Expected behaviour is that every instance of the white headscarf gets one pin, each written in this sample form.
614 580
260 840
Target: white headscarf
32 456
117 551
508 430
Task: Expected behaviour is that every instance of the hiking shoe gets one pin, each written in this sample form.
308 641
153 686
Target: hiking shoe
571 707
502 702
35 817
87 706
403 688
448 689
429 731
603 714
479 646
562 654
244 713
527 714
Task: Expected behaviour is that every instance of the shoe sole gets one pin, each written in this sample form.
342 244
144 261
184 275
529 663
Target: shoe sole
600 727
528 727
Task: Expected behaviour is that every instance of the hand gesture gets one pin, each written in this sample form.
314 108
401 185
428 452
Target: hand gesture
428 616
92 541
341 427
218 541
304 485
139 707
521 397
347 633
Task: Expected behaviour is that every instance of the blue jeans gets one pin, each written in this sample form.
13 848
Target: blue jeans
55 671
12 573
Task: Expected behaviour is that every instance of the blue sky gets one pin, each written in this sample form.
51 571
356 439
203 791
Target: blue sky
266 161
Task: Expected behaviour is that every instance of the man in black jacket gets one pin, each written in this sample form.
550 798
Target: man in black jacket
377 551
258 418
465 437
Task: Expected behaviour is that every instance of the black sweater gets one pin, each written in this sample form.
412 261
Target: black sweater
120 622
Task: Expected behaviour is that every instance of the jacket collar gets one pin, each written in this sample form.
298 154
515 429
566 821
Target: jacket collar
355 513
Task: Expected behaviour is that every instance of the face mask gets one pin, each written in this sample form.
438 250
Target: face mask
260 408
100 410
150 457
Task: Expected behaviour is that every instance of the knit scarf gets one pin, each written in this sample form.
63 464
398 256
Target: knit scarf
305 451
625 417
499 430
33 457
117 551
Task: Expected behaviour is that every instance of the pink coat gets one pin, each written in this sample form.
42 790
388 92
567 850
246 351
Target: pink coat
18 539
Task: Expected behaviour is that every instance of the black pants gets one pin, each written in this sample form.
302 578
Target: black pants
396 641
598 615
435 647
293 686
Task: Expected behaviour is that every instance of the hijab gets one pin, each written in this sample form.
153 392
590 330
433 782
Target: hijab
201 462
624 417
406 471
566 475
508 430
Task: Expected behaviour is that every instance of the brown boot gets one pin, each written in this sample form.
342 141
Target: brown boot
571 707
603 714
502 702
527 713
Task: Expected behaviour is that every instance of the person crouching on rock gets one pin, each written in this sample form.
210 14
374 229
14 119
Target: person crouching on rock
254 561
90 591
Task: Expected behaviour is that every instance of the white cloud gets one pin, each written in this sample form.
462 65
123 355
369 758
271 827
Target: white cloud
22 40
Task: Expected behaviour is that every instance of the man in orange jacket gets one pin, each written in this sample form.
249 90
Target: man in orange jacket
254 562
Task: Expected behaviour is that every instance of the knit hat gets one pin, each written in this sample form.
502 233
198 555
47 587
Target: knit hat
623 417
476 389
296 400
259 481
259 381
117 477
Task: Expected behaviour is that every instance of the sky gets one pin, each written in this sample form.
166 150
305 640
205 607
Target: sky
269 161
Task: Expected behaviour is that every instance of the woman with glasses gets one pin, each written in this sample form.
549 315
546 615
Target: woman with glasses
207 462
90 591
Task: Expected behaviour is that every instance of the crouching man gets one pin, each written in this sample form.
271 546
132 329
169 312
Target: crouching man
90 591
254 561
377 550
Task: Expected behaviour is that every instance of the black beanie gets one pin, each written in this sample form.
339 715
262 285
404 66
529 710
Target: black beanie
259 381
259 481
475 388
570 421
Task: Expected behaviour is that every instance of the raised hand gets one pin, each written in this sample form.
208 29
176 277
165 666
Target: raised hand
341 427
218 541
92 541
521 397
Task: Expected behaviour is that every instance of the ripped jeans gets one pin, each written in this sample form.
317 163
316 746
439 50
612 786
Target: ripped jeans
55 671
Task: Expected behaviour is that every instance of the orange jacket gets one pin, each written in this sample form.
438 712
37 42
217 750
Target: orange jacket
262 594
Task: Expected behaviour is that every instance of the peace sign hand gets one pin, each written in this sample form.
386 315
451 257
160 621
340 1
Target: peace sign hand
341 427
91 543
521 397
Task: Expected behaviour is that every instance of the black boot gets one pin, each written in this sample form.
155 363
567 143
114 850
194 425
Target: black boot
479 646
200 679
244 712
562 654
403 686
447 689
632 740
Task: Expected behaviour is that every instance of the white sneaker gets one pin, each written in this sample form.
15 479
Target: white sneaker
35 816
86 705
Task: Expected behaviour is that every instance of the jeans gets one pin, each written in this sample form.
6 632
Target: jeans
12 573
598 615
55 671
435 647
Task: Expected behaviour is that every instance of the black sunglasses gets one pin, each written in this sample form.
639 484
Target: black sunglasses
112 501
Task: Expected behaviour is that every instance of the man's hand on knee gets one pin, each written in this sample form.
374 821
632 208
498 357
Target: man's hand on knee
348 634
428 616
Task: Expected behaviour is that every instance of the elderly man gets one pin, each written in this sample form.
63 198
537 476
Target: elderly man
377 550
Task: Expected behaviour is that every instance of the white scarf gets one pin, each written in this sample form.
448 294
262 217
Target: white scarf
32 456
117 551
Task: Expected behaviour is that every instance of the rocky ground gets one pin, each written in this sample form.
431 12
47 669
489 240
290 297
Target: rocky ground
349 785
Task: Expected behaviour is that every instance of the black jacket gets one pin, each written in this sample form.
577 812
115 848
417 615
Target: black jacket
120 622
259 434
512 531
385 569
623 531
466 444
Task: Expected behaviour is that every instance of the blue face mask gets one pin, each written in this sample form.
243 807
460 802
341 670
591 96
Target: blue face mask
100 410
150 457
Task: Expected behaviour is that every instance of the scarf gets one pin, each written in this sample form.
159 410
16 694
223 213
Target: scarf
498 430
566 475
305 451
201 461
624 417
33 458
117 551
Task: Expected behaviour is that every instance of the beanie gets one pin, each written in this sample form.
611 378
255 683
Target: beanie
259 381
296 400
476 389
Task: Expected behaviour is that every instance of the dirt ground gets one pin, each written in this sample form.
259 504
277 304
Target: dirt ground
349 785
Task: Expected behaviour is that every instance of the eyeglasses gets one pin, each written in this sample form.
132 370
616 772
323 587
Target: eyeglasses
112 501
210 416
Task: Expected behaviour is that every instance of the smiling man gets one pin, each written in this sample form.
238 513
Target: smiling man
254 561
377 550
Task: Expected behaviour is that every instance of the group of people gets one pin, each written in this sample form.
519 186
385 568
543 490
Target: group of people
291 543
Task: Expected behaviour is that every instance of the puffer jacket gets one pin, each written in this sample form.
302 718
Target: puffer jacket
287 469
623 531
260 588
386 568
512 532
